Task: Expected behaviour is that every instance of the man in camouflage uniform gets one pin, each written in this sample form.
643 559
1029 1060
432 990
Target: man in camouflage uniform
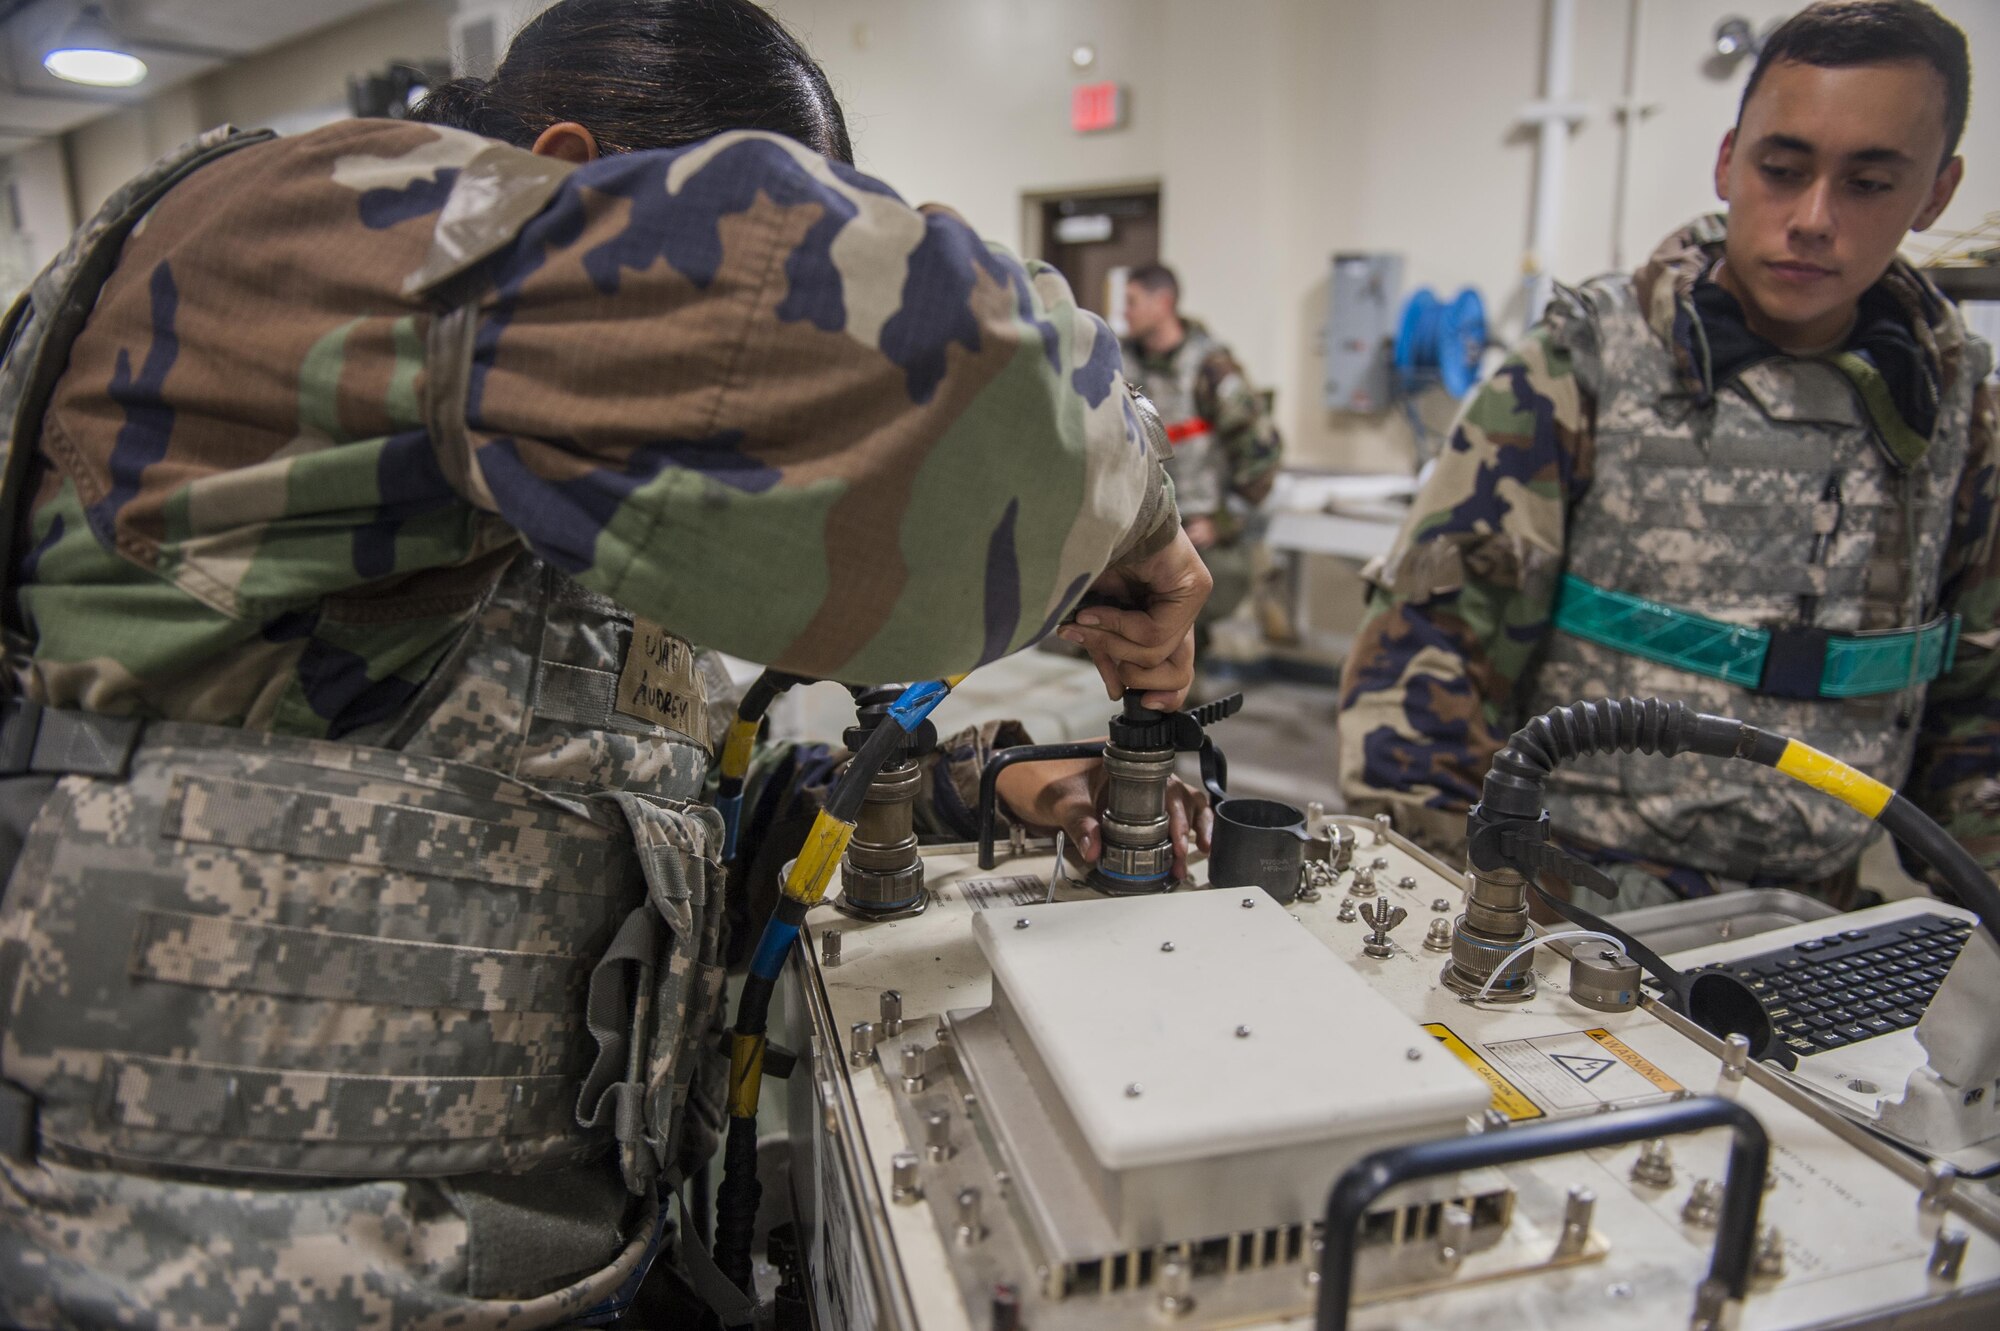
361 960
1224 443
1702 481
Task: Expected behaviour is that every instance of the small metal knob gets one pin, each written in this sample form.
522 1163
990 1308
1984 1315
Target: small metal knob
1935 1200
903 1185
1364 882
1704 1204
861 1043
1006 1307
1438 937
1655 1165
1454 1234
969 1230
913 1068
1346 912
1735 1065
1407 882
1947 1254
829 948
1577 1213
1175 1283
937 1134
892 1012
1381 828
1769 1259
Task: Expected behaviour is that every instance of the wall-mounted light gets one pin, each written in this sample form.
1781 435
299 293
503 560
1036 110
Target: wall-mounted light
89 52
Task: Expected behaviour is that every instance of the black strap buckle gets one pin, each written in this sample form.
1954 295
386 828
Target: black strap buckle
1795 664
57 741
20 724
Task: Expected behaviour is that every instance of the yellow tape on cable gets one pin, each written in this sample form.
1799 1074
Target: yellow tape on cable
746 1075
736 750
813 869
1825 773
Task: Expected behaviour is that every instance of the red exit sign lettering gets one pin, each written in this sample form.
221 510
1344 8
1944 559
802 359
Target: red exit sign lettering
1096 106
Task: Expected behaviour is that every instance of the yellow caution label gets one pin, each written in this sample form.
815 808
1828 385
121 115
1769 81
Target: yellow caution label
1625 1054
1857 790
1507 1097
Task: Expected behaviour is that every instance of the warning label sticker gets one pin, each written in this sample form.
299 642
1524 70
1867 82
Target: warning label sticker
1581 1070
1507 1097
1014 890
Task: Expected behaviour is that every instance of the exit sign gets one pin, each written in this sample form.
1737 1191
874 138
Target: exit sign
1096 106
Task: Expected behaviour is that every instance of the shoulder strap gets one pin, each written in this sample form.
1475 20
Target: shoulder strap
45 321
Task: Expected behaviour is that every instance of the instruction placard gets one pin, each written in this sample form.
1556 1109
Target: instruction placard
1507 1097
1580 1070
1013 890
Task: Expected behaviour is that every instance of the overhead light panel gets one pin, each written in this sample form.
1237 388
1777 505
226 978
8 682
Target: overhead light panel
89 52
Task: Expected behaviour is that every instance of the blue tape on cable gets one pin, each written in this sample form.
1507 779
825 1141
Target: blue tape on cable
731 809
918 701
771 949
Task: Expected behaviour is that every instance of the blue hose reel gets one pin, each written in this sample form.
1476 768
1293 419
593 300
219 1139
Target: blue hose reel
1445 340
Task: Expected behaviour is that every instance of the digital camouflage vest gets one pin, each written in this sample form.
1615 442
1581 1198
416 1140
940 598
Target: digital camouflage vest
408 1031
1773 495
1197 462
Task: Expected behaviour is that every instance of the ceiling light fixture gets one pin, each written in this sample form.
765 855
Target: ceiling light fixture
89 52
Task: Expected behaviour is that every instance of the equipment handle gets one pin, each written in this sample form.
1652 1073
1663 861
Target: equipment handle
989 778
1368 1178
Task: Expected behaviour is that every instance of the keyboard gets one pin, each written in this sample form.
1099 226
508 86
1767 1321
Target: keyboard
1851 984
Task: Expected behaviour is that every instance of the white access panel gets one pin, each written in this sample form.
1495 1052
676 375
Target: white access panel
1210 1024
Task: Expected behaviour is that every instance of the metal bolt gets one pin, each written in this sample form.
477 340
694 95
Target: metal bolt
1247 903
1166 947
1947 1254
1381 828
1133 1090
1735 1065
1454 1231
1021 923
1618 1289
1315 1258
1769 1258
1414 1054
1174 1282
1440 905
1002 1180
1704 1204
1379 863
1346 912
913 1068
1582 1204
892 1012
1407 882
1242 1032
1315 815
1655 1165
1017 840
971 1102
1935 1199
1711 1299
1364 882
969 1230
903 1185
861 1043
937 1135
1494 1120
1438 937
829 947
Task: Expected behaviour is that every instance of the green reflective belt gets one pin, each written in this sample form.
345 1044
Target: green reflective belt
1784 663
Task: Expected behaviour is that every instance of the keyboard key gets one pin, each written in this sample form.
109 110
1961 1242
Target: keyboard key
1819 1021
1792 964
1880 1005
1856 934
1877 1025
1801 1046
1854 1030
1811 945
1902 1018
1830 1039
1778 1014
1838 967
1841 1016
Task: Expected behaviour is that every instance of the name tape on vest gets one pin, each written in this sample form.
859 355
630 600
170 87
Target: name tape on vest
659 683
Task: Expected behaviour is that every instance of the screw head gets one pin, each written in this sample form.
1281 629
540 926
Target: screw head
1248 903
1413 1053
1242 1032
1407 882
1166 947
1440 905
1021 923
1133 1090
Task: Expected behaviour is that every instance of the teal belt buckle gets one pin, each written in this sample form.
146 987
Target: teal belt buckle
1816 663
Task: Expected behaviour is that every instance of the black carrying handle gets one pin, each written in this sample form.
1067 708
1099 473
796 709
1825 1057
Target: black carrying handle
989 779
1367 1179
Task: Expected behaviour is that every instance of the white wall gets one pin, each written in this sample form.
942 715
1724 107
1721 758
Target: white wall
1281 131
293 87
40 177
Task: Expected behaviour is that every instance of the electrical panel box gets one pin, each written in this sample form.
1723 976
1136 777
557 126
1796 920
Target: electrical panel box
1366 290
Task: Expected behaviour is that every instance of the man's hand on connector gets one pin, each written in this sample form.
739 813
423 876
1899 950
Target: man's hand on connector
1065 793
